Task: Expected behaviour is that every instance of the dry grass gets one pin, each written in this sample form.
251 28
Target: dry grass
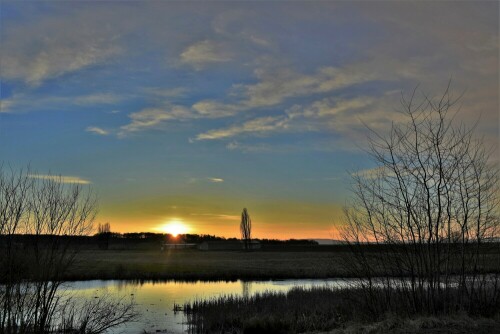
319 310
297 311
459 324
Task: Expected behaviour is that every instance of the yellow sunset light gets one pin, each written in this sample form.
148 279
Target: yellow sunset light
175 227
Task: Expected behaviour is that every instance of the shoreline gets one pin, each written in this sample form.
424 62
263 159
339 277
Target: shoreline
201 278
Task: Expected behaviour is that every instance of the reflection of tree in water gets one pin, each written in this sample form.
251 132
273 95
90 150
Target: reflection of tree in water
246 288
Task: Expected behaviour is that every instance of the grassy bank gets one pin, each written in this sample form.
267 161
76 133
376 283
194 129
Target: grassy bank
326 310
192 264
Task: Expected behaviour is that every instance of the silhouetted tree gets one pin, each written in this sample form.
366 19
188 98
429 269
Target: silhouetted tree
432 204
246 229
46 210
104 235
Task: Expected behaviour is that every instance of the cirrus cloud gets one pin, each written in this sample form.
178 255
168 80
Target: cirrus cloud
205 52
53 47
96 130
256 126
60 178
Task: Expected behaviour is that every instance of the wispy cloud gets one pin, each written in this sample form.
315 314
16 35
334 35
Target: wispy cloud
217 216
215 180
28 102
99 98
348 117
248 148
256 126
319 115
275 86
194 180
215 109
10 104
205 52
166 92
60 178
35 52
273 89
329 107
5 105
154 117
98 131
268 75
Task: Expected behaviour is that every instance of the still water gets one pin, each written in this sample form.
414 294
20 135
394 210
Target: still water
155 300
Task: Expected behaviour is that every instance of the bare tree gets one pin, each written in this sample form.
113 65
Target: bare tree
431 208
246 229
38 219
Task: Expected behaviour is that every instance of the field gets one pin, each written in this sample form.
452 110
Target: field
211 265
192 264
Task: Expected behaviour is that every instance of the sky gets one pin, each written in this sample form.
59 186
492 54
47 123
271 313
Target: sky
187 112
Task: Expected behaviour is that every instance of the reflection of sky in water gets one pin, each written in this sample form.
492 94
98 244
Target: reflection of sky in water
156 299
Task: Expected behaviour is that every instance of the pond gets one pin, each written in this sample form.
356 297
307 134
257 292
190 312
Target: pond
155 300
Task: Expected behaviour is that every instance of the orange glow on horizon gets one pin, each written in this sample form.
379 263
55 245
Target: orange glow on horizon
262 230
174 227
300 220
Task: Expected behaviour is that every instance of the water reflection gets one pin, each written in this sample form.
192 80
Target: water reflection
156 299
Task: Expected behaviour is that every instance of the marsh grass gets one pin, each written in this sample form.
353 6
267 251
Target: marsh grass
299 310
456 324
319 309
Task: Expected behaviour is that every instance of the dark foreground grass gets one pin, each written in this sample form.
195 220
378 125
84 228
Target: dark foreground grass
456 324
297 311
323 310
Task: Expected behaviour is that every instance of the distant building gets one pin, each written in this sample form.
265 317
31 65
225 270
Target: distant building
178 245
228 245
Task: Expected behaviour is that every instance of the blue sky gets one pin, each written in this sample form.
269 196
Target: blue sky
191 111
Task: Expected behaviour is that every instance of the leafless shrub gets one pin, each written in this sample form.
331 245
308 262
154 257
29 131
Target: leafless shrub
45 212
95 315
431 208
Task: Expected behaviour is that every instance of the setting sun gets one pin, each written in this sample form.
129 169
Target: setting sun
175 227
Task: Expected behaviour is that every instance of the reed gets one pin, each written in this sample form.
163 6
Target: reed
302 310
